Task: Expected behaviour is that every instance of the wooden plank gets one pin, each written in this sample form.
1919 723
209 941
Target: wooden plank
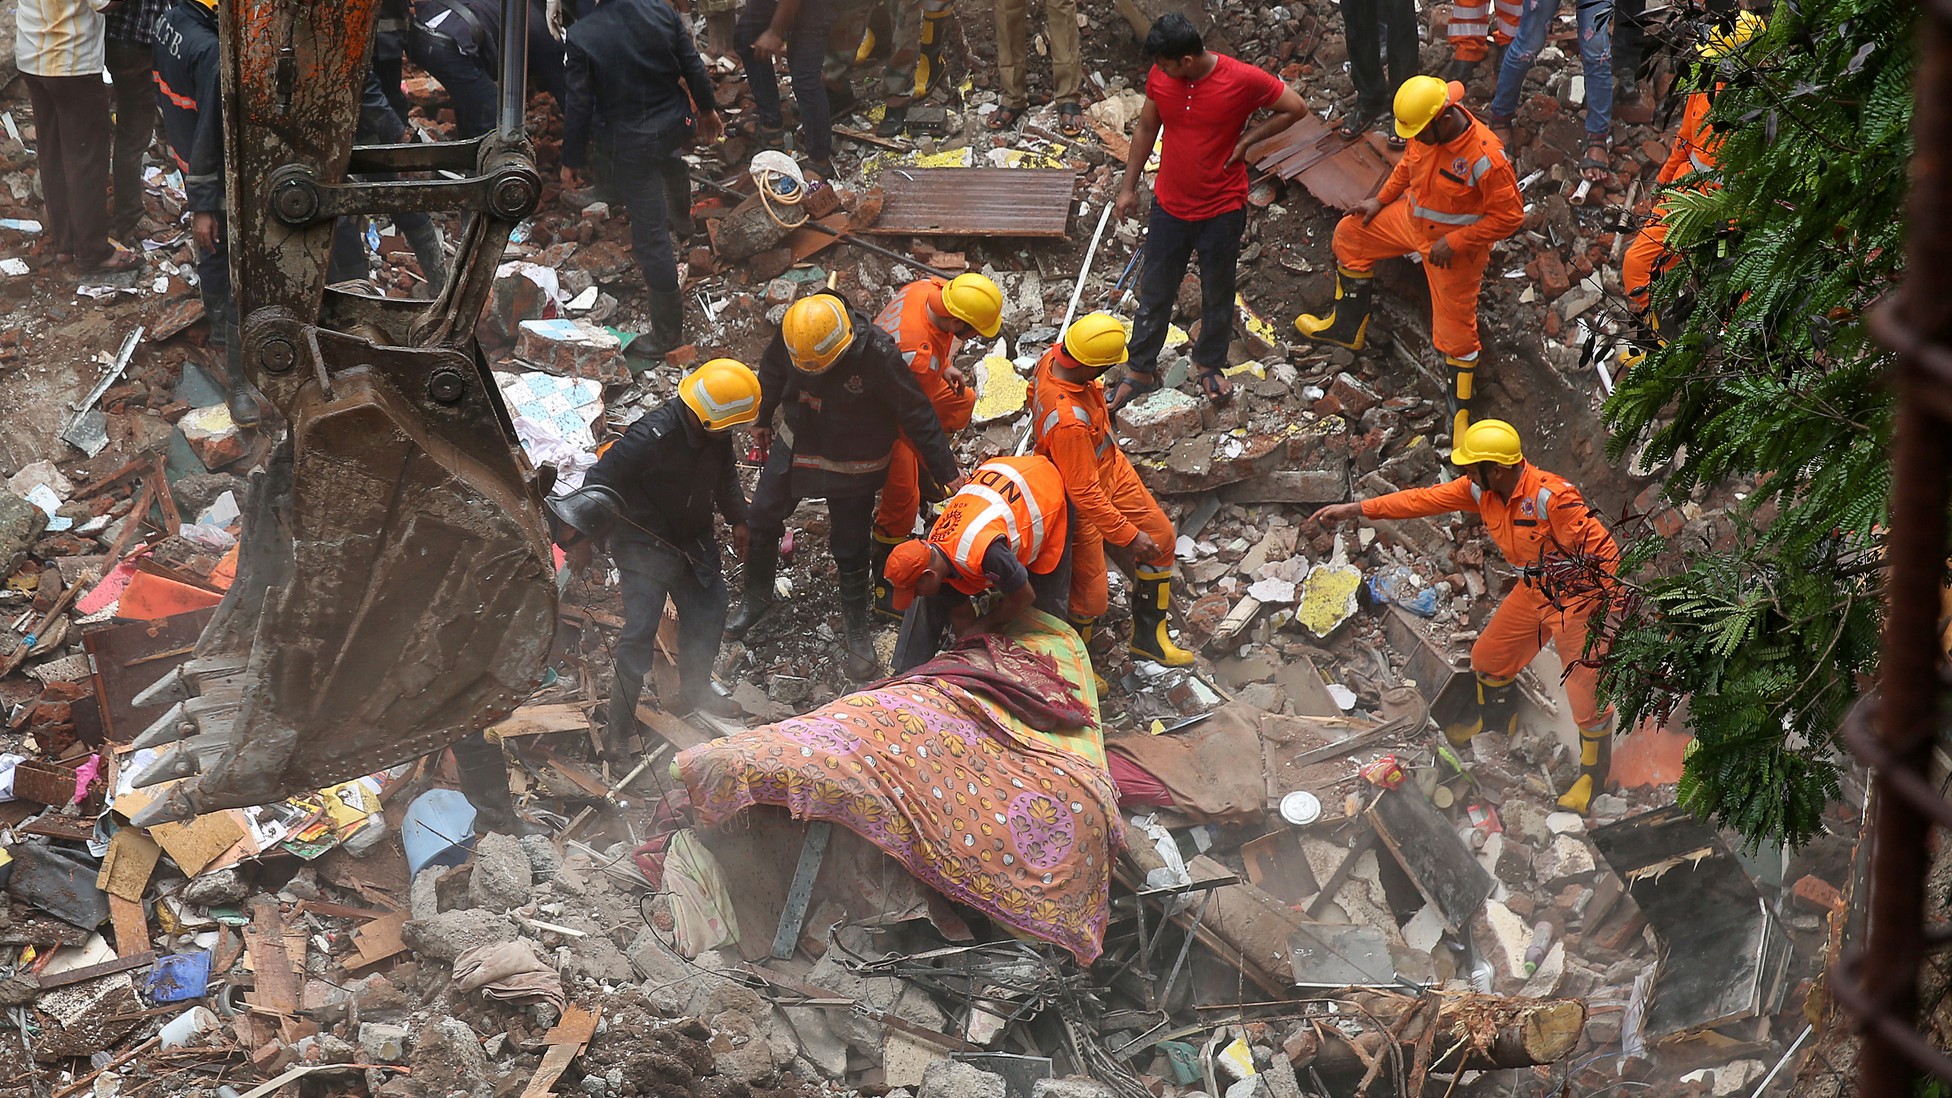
541 720
577 776
126 868
131 927
1014 202
277 990
1428 849
378 940
681 734
566 1042
196 844
786 941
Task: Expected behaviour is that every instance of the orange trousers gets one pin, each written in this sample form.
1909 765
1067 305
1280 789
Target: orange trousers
1089 591
1647 259
901 493
1522 625
1453 290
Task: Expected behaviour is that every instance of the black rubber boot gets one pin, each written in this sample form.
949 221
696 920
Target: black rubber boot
1497 709
425 240
762 568
1347 323
484 782
884 592
667 321
862 664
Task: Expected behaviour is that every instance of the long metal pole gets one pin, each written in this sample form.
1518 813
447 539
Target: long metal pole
515 66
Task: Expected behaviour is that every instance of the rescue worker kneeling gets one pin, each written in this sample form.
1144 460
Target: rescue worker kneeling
1074 431
1007 530
652 496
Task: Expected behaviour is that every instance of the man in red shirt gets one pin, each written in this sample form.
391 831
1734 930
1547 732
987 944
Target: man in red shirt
1199 201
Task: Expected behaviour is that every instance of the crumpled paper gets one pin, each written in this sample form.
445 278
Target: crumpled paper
510 971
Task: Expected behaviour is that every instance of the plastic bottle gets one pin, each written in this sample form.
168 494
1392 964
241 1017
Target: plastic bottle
1541 945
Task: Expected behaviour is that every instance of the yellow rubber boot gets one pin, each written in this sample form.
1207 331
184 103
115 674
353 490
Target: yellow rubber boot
1595 760
865 50
1086 627
928 66
1496 709
1462 382
1347 322
1151 598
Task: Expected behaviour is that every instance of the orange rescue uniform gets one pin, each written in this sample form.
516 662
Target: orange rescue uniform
1694 151
1545 517
1463 191
1018 499
1471 24
929 352
1075 432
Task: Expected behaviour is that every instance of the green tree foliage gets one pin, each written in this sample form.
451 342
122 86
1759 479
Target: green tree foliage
1772 375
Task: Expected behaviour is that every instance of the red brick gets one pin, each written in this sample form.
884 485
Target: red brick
1817 894
1551 275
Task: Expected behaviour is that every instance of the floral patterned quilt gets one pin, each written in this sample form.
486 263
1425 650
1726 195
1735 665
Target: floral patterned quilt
1004 820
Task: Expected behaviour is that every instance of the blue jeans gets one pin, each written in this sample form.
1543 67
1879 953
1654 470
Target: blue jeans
1595 54
806 53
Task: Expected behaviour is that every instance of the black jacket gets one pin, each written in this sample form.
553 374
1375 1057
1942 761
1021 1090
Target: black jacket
842 424
474 26
672 475
188 88
628 65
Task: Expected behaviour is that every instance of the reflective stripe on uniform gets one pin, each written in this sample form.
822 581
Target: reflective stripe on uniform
1701 164
1445 218
997 509
851 468
1478 169
1029 498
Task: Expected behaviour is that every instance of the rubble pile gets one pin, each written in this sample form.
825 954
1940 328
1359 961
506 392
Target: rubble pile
1327 900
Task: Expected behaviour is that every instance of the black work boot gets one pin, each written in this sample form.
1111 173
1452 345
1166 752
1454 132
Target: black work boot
1347 323
620 725
762 568
667 321
484 782
239 397
862 664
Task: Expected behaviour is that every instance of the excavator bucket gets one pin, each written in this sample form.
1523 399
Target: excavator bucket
395 587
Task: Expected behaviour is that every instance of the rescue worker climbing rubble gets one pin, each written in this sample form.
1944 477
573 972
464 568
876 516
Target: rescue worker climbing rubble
1073 429
1541 524
928 319
1449 199
1009 530
1692 155
844 394
655 495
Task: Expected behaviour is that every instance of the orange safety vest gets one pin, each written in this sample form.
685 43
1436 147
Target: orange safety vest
1020 499
1056 404
1465 185
927 349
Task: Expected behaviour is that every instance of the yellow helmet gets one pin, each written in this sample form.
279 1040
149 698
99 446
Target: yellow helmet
817 331
723 394
1096 339
1722 41
1420 100
1491 440
208 5
976 301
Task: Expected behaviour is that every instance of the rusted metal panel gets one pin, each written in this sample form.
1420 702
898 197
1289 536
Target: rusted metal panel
132 656
975 201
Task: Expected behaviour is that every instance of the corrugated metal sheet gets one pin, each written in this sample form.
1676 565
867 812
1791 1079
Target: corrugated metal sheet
1339 171
975 201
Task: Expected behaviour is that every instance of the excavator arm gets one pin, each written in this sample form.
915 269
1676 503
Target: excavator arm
395 585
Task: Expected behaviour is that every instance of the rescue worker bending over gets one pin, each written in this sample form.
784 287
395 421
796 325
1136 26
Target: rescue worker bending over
1073 429
1538 519
653 494
1009 529
1450 198
844 395
927 319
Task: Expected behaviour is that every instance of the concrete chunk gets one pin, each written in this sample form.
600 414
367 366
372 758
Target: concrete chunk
1568 860
213 437
1154 422
954 1079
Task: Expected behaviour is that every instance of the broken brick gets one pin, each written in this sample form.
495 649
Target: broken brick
1817 894
571 348
216 440
1347 396
1551 275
